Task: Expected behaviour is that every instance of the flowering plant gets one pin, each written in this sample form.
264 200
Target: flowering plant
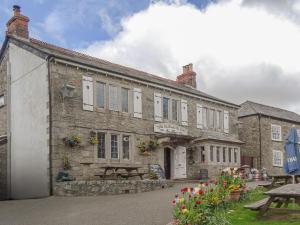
94 140
200 205
146 147
72 141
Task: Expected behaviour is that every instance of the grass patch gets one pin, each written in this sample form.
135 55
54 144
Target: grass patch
238 215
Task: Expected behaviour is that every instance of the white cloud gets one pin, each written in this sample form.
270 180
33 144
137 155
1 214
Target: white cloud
239 52
54 26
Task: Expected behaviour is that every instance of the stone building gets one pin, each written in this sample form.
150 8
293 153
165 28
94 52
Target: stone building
55 96
263 129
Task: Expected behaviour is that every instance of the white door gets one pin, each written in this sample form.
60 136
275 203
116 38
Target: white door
180 162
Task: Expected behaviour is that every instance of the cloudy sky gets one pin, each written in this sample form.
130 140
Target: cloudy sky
241 49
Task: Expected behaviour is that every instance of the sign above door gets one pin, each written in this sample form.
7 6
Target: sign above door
169 128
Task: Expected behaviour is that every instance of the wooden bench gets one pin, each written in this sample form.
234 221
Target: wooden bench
127 175
257 205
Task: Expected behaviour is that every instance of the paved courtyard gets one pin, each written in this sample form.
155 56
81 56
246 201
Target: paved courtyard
150 208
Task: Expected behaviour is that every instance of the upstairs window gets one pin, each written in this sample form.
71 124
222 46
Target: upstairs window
100 94
101 145
218 119
211 118
165 108
113 98
114 146
174 110
275 132
125 102
204 114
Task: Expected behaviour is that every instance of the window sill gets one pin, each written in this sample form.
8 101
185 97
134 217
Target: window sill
276 140
277 166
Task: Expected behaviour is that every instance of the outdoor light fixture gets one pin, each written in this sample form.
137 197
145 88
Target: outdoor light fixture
67 91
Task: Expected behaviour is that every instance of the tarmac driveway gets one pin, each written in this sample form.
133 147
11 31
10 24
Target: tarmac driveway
149 208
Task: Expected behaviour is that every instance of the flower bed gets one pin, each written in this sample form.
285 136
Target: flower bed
206 204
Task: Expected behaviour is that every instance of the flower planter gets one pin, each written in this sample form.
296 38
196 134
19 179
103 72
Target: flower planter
235 195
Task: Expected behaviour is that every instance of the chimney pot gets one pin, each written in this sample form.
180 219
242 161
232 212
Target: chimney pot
18 24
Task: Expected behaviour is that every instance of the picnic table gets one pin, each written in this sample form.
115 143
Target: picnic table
283 179
282 196
115 168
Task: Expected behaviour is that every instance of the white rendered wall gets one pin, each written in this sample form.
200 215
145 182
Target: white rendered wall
29 135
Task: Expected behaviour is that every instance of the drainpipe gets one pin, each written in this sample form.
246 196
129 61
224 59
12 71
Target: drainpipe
260 145
48 59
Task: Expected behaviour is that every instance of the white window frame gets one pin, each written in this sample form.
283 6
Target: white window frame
280 133
281 156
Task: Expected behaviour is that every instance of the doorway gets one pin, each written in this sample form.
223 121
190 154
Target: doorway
167 163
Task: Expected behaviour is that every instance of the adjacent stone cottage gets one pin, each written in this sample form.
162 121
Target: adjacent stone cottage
263 129
56 98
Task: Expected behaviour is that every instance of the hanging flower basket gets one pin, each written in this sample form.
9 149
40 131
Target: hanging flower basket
72 141
147 147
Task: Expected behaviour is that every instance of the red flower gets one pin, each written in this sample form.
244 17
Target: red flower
211 190
206 184
183 207
190 196
201 192
198 202
173 202
183 190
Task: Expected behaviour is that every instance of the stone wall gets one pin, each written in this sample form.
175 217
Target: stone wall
3 128
68 118
249 133
108 187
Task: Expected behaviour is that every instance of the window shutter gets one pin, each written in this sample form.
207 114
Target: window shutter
184 113
199 116
137 103
157 107
87 93
226 122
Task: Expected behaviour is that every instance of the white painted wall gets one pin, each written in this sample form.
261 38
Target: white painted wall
29 135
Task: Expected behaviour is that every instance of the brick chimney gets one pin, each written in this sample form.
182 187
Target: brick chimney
188 76
18 24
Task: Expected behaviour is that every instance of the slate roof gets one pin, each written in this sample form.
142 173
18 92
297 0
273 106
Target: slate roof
249 108
84 59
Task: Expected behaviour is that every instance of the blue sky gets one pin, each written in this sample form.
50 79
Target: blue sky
77 23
